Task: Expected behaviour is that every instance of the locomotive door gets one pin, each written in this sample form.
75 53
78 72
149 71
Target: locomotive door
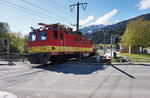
62 42
78 44
75 43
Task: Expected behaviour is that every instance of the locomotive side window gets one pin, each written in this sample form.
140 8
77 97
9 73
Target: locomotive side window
91 42
32 37
75 39
55 35
42 35
61 36
84 41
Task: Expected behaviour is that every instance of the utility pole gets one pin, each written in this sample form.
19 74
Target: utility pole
104 43
111 47
72 8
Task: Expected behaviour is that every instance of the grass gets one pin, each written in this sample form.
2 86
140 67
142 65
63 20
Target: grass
116 60
136 57
148 48
101 51
106 45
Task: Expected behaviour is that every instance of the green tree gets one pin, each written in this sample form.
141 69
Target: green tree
137 33
17 41
4 29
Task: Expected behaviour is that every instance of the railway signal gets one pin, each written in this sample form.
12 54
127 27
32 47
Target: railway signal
116 40
5 42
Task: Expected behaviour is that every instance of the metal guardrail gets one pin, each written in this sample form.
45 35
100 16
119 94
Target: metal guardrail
15 57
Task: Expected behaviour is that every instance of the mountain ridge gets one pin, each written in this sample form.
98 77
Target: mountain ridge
97 36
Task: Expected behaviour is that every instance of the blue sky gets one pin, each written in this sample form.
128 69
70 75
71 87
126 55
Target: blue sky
22 14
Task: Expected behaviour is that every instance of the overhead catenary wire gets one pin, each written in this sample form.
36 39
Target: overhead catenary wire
46 10
32 10
71 1
24 10
87 13
58 6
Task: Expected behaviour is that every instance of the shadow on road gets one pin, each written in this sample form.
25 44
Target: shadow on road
72 68
144 64
123 72
3 64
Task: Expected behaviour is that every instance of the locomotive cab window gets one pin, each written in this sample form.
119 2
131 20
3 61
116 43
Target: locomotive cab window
42 35
61 36
55 34
32 37
84 41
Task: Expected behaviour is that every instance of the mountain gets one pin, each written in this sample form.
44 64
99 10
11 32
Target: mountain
99 35
91 28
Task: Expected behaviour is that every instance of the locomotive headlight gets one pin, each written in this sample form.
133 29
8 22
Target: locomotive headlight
43 47
29 48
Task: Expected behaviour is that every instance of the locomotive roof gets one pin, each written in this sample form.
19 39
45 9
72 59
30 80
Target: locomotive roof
79 33
58 26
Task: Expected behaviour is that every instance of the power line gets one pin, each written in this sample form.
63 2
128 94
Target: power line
44 10
23 10
58 6
71 1
30 10
86 13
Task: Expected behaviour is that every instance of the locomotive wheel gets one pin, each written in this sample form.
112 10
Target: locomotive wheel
81 56
55 59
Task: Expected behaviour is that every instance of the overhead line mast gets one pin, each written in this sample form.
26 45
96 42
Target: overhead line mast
72 8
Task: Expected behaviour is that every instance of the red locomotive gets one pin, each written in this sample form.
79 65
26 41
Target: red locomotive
57 43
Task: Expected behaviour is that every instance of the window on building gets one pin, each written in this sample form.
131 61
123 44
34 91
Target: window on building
61 36
84 41
55 34
32 37
42 35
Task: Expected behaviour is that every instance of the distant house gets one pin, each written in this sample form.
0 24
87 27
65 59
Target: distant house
129 49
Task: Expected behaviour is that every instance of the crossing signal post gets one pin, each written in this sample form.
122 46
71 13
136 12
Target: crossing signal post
116 40
112 36
5 42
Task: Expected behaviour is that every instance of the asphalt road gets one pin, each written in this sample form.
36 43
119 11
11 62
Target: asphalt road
78 79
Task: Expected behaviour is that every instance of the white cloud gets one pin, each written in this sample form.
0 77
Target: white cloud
84 22
144 4
104 19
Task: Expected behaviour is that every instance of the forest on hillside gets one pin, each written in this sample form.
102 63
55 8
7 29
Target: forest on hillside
101 36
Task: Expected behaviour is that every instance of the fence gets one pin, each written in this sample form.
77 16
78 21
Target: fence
12 57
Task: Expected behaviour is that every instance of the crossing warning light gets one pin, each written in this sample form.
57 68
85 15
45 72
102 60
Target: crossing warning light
5 42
